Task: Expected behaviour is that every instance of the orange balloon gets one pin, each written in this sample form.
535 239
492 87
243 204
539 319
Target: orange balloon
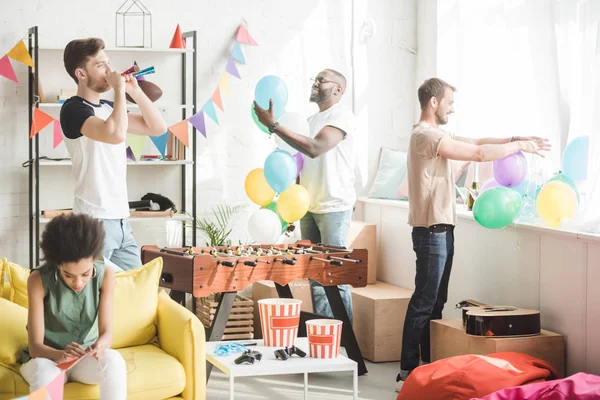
257 188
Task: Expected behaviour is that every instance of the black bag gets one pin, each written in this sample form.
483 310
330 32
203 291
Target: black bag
164 202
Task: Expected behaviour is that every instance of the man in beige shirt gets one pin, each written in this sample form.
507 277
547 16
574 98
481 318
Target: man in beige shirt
432 209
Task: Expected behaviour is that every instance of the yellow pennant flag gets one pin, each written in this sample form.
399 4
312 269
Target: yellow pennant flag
224 84
136 142
20 54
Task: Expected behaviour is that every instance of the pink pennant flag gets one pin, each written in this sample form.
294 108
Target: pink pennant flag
58 137
216 98
231 69
6 69
243 36
197 120
56 387
39 394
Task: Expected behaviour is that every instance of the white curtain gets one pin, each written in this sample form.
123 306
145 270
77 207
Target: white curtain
527 67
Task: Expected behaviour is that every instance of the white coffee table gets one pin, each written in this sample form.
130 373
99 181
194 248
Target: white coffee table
269 365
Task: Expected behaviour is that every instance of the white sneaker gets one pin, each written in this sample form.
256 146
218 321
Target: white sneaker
399 385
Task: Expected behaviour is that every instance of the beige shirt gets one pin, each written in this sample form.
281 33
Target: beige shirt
431 192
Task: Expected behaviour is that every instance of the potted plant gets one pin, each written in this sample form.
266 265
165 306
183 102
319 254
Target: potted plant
218 226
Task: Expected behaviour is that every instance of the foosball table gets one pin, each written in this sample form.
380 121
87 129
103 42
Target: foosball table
229 269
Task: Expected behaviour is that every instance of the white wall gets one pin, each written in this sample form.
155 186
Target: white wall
529 267
297 40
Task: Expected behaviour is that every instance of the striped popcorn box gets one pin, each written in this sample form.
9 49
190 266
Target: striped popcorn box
324 336
279 319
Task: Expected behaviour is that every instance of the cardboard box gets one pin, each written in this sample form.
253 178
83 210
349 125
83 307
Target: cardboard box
364 236
266 290
379 311
449 339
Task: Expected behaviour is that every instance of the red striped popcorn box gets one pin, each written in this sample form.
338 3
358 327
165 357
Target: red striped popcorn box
324 336
279 319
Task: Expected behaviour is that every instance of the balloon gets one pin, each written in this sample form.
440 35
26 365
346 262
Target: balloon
555 201
527 188
257 122
264 226
280 170
273 207
497 207
575 159
490 183
563 178
257 188
511 170
293 203
299 162
271 87
297 124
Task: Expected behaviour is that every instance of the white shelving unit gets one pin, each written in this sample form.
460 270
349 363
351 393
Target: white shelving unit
51 65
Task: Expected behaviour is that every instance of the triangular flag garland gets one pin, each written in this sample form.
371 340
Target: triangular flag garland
56 387
20 54
160 142
6 69
180 130
39 394
216 98
209 109
231 69
40 121
224 84
197 120
58 137
237 53
136 142
243 36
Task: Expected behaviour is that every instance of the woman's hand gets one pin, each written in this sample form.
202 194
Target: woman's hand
97 349
71 352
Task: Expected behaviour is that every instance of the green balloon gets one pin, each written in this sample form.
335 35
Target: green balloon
257 122
273 207
497 207
563 178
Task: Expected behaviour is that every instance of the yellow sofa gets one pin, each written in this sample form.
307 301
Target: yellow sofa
161 341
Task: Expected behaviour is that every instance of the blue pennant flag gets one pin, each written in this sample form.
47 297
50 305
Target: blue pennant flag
209 109
237 53
160 142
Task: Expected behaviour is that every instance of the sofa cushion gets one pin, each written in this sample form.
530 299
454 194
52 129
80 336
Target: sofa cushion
151 374
17 279
135 304
12 385
13 334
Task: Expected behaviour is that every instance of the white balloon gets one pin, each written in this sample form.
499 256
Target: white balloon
264 226
297 124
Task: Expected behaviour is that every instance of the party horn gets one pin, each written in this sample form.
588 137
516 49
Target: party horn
145 71
129 71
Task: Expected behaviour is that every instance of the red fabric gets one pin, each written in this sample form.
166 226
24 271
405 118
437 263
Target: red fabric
576 387
469 376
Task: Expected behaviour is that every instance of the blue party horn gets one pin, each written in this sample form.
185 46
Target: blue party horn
145 71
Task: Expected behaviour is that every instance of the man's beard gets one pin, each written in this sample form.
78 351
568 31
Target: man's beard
320 96
99 86
441 119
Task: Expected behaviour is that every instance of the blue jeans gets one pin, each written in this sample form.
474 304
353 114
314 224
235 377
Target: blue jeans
434 247
329 228
120 247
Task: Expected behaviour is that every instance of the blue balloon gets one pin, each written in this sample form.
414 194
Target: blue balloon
272 87
280 170
575 159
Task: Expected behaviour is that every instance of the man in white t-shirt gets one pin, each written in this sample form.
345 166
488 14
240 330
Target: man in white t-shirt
95 132
327 174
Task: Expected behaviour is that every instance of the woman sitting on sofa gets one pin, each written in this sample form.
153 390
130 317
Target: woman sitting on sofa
70 310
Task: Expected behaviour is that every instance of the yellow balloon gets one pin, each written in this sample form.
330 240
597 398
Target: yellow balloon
555 201
257 188
293 203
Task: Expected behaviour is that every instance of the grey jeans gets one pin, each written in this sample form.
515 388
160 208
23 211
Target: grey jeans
120 247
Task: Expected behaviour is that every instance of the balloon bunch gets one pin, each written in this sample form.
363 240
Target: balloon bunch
272 187
509 194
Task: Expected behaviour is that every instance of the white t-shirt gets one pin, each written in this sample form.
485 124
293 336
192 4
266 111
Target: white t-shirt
99 169
329 178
